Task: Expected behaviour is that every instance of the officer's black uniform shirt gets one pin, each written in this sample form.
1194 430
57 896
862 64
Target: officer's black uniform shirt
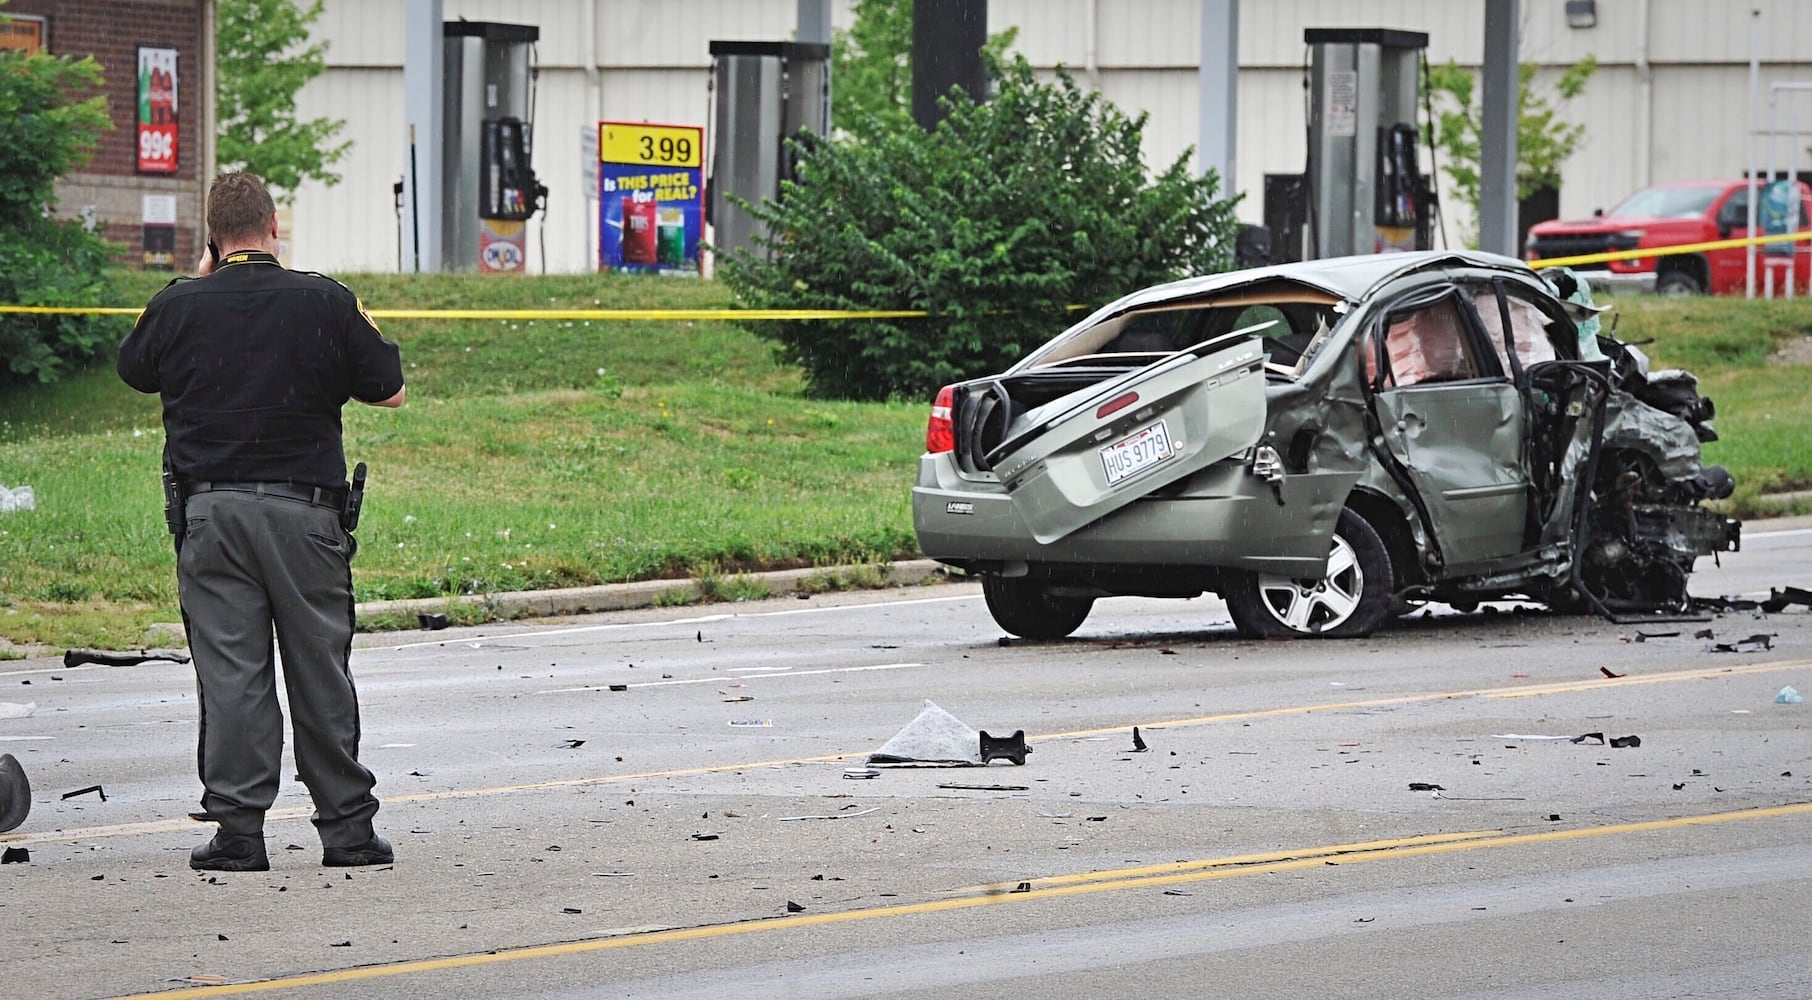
254 363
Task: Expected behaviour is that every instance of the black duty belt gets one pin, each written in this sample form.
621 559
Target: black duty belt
320 496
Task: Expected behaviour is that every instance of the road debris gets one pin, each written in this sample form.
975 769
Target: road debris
1779 598
78 657
1723 604
1620 742
704 836
619 687
17 710
1787 696
792 907
432 622
96 789
935 737
963 786
1753 644
859 773
835 815
1424 786
752 723
1612 674
1138 743
15 856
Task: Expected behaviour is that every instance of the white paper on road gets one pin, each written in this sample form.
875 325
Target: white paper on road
935 737
14 710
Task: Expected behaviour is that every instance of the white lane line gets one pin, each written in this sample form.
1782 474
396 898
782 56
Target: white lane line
698 620
720 680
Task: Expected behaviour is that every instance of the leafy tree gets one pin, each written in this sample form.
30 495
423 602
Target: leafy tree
259 68
871 67
47 130
997 221
1543 141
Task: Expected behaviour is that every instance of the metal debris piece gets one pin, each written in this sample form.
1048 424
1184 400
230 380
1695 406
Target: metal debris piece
704 836
570 745
77 657
1589 738
740 697
96 789
1138 743
1012 748
1753 644
858 773
963 786
1424 786
1608 672
841 815
1779 598
619 687
1723 604
1620 742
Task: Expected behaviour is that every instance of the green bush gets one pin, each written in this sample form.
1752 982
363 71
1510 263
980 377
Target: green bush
44 133
1006 214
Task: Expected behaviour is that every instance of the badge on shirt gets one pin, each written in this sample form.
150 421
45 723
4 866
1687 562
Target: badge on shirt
365 313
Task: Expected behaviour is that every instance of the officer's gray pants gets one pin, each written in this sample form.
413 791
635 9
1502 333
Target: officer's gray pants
249 562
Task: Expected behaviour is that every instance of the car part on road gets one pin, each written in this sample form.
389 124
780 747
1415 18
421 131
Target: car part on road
1009 748
1780 598
78 657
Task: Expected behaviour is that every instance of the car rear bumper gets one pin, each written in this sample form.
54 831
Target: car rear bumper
1221 518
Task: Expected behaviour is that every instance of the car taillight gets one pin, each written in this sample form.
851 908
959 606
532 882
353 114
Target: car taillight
940 430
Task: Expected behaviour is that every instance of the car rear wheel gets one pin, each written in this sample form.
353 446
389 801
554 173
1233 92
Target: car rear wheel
1352 599
1678 283
1028 609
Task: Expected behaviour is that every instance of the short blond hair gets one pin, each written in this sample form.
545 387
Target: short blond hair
239 207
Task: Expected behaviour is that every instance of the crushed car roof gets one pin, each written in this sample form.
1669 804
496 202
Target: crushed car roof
1347 277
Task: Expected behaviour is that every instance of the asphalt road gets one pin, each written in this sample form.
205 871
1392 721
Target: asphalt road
559 839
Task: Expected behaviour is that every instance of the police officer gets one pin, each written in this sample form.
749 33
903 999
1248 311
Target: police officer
253 363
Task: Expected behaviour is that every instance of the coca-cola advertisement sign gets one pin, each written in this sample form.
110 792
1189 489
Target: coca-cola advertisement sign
156 110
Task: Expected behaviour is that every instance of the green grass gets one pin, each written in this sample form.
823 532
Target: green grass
547 454
530 455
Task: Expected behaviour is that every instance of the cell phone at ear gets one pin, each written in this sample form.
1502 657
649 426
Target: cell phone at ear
213 253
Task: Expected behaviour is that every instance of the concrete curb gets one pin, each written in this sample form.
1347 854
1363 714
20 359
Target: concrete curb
647 593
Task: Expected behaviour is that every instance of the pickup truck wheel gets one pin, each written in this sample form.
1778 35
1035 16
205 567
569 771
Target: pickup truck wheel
1028 609
1678 283
1352 600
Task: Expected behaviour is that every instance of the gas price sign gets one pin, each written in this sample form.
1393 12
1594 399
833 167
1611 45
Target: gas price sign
650 197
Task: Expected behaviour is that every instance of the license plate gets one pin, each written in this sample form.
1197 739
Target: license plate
1136 452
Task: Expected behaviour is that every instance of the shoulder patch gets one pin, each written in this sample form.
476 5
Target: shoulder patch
365 312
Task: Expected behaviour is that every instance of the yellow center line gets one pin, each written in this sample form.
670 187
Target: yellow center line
1566 687
1114 882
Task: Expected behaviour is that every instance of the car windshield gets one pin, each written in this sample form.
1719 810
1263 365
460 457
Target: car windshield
1294 321
1669 202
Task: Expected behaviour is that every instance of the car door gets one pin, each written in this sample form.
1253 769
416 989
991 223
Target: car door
1103 447
1452 424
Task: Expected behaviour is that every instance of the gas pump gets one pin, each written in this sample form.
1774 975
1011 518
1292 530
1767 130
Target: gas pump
487 144
1366 189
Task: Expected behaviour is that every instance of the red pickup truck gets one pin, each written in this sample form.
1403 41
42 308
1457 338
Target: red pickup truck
1672 215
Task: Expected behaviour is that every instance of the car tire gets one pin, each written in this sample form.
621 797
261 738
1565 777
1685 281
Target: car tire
1353 600
1028 609
1678 283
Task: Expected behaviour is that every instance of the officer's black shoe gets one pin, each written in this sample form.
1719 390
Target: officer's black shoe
375 851
229 852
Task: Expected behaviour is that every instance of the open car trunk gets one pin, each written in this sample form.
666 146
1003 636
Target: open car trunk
1074 442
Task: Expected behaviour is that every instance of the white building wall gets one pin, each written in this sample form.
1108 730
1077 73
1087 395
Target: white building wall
652 63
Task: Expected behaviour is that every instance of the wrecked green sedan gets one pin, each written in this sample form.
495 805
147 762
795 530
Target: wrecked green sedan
1326 444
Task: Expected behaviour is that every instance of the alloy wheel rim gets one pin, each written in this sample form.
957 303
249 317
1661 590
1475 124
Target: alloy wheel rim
1309 605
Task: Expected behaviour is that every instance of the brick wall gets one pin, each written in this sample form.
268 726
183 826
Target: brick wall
110 185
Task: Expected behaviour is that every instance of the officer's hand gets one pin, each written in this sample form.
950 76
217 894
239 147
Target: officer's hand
204 266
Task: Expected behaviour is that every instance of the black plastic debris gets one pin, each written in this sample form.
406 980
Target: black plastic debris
1010 748
1620 742
15 793
1588 738
1138 742
968 787
15 856
78 657
1021 887
1723 604
432 622
1423 786
95 789
704 836
571 745
1608 672
1704 633
792 907
1645 636
1780 598
1553 817
570 909
619 687
1753 644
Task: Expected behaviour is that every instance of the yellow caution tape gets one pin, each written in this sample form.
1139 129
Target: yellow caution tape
1599 258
